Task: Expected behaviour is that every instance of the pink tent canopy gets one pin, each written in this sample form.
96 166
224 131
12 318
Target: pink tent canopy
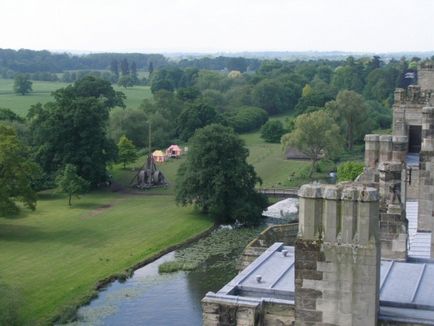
173 151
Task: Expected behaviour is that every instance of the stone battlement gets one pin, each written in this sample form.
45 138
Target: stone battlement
425 76
346 213
384 148
414 95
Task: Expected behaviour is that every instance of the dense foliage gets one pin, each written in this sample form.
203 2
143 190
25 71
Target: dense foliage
22 84
272 131
315 134
349 171
127 152
17 173
217 178
72 129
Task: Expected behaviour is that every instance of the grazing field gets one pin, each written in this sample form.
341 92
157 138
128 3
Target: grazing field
270 164
55 256
42 93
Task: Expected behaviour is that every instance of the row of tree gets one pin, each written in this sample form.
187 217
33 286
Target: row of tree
187 99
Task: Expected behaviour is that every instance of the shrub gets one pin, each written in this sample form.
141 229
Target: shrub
247 118
349 171
272 131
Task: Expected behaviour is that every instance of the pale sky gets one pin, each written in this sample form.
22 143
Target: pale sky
218 25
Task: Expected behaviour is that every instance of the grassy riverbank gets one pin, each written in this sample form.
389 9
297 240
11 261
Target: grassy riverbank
55 256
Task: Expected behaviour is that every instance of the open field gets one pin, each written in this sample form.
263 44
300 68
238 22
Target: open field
42 93
270 164
55 256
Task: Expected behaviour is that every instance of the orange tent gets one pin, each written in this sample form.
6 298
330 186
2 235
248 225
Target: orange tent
159 156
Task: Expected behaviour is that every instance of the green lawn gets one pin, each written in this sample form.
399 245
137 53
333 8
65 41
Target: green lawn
55 256
42 93
270 164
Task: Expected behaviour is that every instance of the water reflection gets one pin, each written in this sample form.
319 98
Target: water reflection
150 298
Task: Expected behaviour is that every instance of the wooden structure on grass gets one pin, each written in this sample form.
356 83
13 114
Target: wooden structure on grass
149 176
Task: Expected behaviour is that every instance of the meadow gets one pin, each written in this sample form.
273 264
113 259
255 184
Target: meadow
42 93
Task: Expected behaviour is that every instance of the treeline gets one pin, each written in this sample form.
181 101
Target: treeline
29 61
185 99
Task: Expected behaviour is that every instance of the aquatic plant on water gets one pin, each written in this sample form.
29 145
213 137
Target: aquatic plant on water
222 242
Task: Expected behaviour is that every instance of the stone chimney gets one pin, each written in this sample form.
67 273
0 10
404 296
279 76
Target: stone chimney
337 255
393 221
386 147
372 151
425 76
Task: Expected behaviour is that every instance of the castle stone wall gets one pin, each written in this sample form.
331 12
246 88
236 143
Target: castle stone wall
426 173
425 76
337 256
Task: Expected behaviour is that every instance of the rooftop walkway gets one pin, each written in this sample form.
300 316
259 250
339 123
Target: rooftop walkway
419 242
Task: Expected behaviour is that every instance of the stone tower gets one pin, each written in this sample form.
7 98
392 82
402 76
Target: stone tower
337 255
425 76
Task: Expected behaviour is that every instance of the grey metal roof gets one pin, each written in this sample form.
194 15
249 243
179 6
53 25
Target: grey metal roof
277 276
419 242
406 288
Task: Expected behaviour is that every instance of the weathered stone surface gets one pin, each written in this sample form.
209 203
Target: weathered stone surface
337 270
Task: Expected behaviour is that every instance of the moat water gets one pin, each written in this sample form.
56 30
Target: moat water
172 299
150 298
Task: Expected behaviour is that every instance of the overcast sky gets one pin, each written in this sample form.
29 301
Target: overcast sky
218 25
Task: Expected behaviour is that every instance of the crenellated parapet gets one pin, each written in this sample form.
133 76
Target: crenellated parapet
384 148
337 255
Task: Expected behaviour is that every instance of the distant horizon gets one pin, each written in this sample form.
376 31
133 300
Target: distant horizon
197 53
224 26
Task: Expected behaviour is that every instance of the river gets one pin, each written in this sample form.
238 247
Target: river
150 298
171 299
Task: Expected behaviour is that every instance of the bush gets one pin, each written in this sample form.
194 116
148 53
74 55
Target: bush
349 171
272 131
247 118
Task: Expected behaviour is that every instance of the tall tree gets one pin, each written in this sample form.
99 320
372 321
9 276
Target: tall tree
133 74
351 113
194 117
127 152
315 134
114 68
217 178
17 172
71 183
150 68
72 130
125 69
22 84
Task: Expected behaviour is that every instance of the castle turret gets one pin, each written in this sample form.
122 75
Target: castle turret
425 76
337 256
